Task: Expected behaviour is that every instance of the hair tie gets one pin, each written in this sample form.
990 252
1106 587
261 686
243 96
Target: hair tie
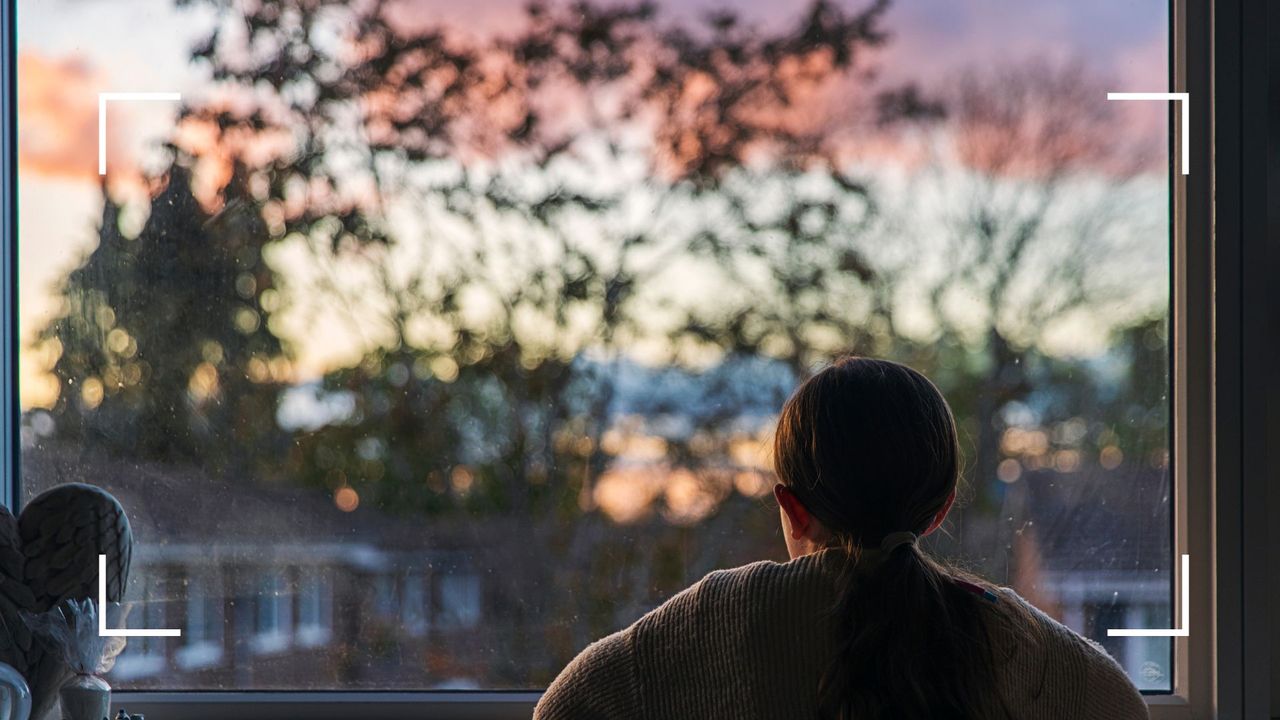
895 540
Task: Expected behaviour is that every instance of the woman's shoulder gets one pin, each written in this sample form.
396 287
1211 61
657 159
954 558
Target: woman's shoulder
763 587
670 647
720 641
600 682
763 575
1043 663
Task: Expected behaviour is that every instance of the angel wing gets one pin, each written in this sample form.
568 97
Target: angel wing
63 532
15 596
50 555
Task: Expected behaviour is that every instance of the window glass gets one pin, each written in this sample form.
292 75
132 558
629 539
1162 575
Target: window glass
315 608
384 596
460 600
272 614
201 642
144 656
426 342
414 608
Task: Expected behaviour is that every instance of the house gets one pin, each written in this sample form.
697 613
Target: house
1094 548
276 587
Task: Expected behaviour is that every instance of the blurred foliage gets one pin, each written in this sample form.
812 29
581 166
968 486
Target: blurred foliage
556 176
165 349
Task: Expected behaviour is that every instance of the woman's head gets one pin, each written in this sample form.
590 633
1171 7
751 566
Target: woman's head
867 449
863 449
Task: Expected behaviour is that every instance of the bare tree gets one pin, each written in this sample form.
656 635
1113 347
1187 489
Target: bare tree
557 183
1037 221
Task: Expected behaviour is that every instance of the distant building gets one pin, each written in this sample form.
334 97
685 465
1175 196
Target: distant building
1094 549
277 587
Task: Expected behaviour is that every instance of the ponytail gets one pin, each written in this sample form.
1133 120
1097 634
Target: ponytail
869 447
912 641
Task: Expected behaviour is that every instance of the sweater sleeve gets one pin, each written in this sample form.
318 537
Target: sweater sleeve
1109 694
601 683
1054 672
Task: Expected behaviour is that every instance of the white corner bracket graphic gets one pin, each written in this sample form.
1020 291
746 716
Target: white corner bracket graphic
103 630
106 97
1184 101
1185 629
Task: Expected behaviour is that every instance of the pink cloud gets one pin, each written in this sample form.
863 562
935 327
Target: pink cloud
57 116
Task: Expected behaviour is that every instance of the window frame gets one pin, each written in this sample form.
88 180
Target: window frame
1245 141
1191 365
1222 342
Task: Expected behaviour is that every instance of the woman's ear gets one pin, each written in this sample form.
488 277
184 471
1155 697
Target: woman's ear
798 518
942 514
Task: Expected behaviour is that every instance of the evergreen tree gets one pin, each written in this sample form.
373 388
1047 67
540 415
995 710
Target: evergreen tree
165 352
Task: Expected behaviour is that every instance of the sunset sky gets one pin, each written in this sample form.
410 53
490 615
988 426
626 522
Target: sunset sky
70 50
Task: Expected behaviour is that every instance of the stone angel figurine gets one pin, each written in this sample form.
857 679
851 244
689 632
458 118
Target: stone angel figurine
49 554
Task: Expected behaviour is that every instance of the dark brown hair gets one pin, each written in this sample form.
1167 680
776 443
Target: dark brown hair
870 448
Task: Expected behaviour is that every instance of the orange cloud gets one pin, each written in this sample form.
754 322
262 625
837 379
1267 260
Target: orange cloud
57 116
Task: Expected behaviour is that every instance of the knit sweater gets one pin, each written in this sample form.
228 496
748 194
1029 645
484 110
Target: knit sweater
753 642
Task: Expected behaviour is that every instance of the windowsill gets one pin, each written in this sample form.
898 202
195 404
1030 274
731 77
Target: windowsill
199 655
394 705
513 705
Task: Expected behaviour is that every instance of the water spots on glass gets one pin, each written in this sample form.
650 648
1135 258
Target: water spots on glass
521 361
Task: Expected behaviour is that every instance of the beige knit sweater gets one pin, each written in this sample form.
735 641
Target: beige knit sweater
752 643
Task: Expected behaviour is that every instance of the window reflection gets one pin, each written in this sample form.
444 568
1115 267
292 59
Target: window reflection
422 350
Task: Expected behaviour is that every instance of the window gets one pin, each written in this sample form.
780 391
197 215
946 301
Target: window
202 635
414 608
273 614
384 595
460 600
529 322
315 608
144 657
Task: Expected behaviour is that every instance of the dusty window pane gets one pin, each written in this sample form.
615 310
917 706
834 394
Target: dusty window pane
423 347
